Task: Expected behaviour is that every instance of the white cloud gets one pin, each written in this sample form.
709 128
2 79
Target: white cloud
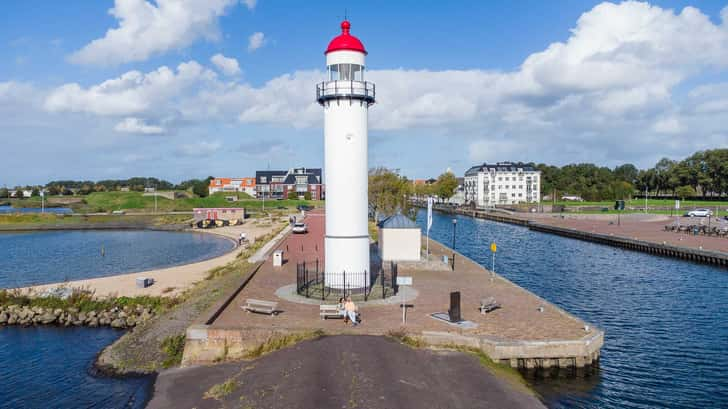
201 148
229 66
668 126
138 126
604 93
250 4
255 41
146 29
130 94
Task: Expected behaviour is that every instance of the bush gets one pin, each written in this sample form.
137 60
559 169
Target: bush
307 196
200 188
4 193
173 346
292 195
684 192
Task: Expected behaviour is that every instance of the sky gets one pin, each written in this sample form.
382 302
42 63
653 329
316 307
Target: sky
182 89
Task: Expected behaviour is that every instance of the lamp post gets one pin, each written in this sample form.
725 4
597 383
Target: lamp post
454 226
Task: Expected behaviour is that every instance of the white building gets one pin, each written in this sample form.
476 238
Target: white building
502 183
400 239
345 98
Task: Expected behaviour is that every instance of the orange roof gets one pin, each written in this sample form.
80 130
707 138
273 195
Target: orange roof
216 182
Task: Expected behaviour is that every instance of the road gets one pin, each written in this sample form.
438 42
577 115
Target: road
344 372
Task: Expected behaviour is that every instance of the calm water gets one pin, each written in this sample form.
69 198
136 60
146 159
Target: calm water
666 320
54 210
47 257
50 367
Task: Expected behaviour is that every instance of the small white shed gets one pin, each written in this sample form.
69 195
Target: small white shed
400 239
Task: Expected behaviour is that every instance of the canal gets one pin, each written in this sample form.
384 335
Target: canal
666 320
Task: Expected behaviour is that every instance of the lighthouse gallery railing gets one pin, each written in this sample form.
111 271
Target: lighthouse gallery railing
345 89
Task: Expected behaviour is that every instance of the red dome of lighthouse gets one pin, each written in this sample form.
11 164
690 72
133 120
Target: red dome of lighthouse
345 41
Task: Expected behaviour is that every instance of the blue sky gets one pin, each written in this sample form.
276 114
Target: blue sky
556 82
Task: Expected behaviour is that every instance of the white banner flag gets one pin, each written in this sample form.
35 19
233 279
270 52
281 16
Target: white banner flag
429 213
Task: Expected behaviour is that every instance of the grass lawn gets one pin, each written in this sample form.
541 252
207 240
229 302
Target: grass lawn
101 202
650 203
8 221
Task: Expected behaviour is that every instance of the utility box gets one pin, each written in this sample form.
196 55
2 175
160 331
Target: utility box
454 311
144 282
277 258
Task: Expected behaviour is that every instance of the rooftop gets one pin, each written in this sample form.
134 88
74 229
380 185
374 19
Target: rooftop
345 41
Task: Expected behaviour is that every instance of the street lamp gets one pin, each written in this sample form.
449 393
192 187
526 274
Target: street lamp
454 227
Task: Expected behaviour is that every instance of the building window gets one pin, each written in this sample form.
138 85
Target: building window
263 179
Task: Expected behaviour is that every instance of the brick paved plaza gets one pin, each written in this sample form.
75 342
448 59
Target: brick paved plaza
518 319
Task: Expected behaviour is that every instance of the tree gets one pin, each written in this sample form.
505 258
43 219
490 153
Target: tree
201 188
627 172
53 190
19 193
35 192
388 192
446 185
4 193
684 192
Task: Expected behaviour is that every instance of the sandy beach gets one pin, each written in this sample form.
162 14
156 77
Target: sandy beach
171 281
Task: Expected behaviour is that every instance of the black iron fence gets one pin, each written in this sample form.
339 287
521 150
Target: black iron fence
311 282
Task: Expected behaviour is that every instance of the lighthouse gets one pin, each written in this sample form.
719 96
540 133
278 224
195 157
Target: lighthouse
346 97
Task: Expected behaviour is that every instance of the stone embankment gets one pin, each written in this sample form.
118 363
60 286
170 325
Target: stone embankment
126 317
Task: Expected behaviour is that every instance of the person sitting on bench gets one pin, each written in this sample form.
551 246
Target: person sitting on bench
342 310
351 311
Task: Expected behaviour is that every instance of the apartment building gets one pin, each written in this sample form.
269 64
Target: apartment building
502 183
277 184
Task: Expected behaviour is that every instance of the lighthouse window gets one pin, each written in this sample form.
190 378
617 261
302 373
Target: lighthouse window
357 72
346 72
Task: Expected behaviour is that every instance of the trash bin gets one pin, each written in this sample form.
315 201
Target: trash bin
619 205
277 258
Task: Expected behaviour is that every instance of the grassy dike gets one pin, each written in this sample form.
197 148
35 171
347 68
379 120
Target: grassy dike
159 343
46 221
106 202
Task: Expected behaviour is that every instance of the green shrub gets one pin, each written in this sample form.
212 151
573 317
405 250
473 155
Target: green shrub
173 346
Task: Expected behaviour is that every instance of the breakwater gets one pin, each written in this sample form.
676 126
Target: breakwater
115 317
660 249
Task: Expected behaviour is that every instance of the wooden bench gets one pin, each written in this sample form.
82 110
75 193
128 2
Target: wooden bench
329 311
488 304
264 307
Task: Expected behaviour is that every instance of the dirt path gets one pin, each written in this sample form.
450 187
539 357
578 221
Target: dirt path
342 372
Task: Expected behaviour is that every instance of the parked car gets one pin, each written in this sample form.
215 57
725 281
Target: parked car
699 213
300 228
304 207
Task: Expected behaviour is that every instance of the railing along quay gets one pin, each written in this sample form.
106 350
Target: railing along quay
666 250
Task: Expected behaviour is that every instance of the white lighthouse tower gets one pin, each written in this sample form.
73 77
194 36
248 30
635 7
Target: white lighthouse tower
346 98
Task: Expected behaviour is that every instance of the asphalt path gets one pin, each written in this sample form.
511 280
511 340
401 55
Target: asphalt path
343 372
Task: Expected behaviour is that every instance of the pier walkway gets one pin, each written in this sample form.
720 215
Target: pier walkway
526 332
639 232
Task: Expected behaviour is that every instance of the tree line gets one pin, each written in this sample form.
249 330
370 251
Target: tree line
135 184
704 173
